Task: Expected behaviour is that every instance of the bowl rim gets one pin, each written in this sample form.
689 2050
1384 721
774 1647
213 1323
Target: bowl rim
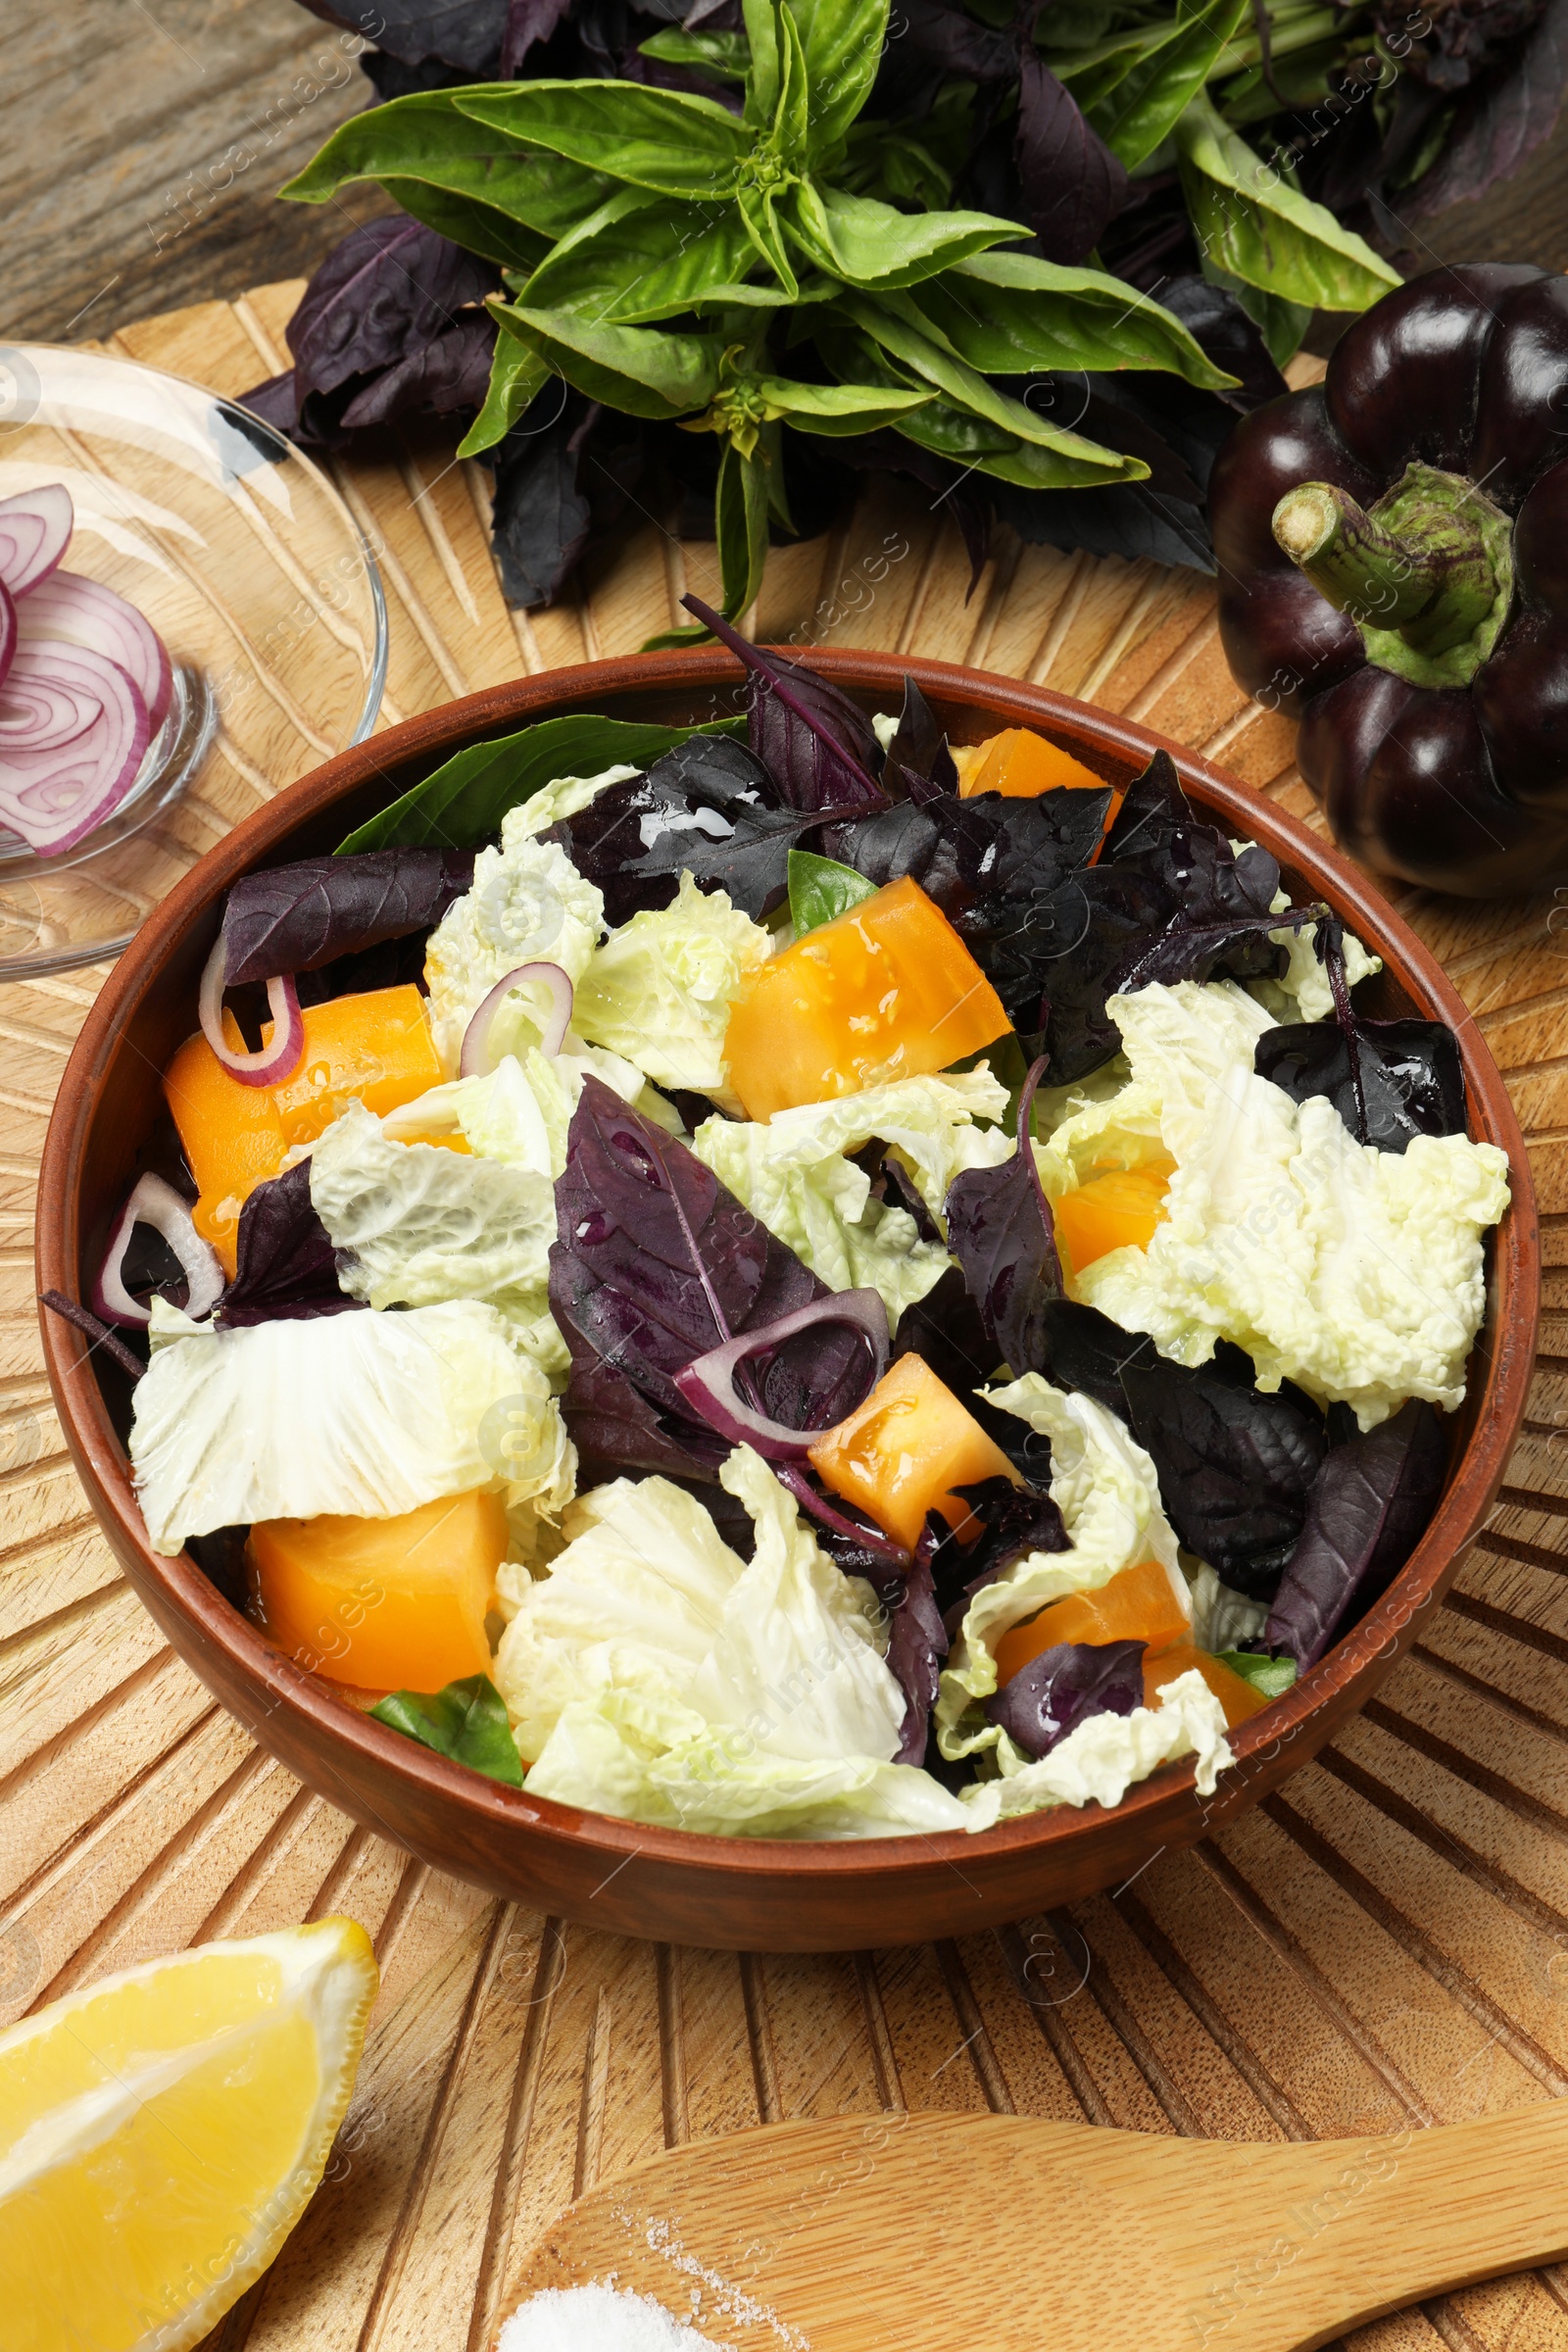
104 1465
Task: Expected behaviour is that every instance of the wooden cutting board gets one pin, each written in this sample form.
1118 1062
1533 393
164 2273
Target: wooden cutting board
1383 1946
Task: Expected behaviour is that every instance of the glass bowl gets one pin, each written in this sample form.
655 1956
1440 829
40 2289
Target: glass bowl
249 565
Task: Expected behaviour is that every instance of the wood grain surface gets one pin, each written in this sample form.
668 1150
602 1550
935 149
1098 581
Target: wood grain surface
1383 1945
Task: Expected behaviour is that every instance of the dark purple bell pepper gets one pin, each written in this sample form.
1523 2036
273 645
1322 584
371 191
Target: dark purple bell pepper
1392 553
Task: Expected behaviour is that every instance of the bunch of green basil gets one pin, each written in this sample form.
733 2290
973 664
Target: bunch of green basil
666 255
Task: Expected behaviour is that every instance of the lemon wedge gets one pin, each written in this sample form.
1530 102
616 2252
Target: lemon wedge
161 2132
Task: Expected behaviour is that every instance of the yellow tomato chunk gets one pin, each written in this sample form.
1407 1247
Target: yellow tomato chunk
383 1604
886 991
1139 1604
1115 1211
1021 764
376 1049
901 1452
1235 1695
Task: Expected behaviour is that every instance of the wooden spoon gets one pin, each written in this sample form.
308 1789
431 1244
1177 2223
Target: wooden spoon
930 2232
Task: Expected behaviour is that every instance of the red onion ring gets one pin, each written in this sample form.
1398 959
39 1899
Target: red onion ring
709 1383
474 1060
275 1062
35 528
154 1202
7 630
76 610
74 729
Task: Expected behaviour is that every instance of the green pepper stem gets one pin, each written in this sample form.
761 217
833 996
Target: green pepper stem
1429 567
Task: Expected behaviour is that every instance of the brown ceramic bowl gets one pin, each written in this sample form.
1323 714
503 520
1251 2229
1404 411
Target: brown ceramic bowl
617 1875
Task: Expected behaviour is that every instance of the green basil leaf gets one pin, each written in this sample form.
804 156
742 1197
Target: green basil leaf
1142 108
482 227
460 806
723 55
820 889
517 374
457 175
467 1721
765 72
667 140
658 258
1271 1678
1009 313
1094 72
1250 222
635 369
904 332
837 409
869 244
756 207
740 526
843 42
792 119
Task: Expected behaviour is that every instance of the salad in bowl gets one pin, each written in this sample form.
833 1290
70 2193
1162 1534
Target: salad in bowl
816 1285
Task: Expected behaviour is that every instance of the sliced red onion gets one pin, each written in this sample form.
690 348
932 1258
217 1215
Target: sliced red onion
7 630
475 1061
708 1384
154 1202
73 732
76 610
35 528
275 1062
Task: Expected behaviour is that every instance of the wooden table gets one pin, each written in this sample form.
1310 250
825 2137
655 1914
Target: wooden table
1383 1945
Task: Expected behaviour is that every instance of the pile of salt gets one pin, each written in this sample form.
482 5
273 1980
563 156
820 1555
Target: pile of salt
597 2319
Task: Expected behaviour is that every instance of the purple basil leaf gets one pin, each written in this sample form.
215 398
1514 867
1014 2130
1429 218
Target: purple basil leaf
1001 1231
1072 186
1154 808
1064 1687
1500 121
392 286
1236 1466
276 403
1225 334
893 1185
465 33
709 808
656 1263
1179 907
945 1328
452 371
919 749
296 919
529 24
1369 1508
541 516
615 1427
285 1266
978 859
1125 518
1388 1080
917 1640
1412 1079
952 40
818 746
1015 1521
1086 1351
1241 943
